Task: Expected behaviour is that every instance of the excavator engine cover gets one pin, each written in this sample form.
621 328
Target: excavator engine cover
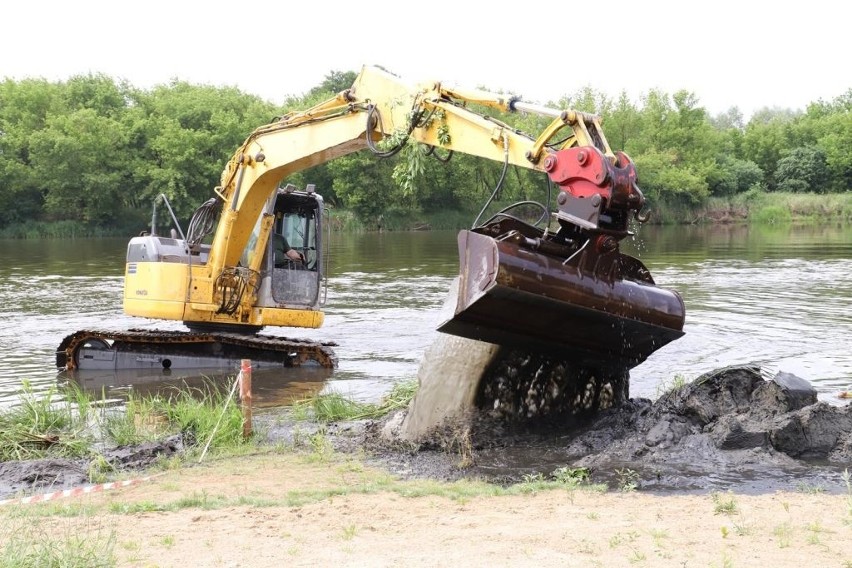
599 307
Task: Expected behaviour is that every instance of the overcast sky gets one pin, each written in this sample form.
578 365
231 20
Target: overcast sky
742 53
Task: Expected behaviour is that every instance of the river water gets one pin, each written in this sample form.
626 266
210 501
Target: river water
779 296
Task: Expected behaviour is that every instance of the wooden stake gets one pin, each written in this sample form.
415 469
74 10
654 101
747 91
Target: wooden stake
245 396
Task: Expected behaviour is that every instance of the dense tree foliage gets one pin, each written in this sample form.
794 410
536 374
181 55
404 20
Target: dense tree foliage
96 151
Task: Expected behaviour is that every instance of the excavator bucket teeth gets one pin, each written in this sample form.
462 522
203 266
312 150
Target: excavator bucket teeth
599 308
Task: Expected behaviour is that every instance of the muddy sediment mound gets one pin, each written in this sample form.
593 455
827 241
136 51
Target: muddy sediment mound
725 428
731 410
41 475
53 474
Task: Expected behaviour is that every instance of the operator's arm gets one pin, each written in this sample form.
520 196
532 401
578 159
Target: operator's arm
282 247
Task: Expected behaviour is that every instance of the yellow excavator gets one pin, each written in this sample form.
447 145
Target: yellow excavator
562 287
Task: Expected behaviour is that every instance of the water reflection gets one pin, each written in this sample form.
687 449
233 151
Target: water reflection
270 387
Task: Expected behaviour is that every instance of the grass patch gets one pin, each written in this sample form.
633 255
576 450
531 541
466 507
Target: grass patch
25 543
43 425
723 505
803 487
334 407
772 214
201 414
205 414
783 533
65 422
756 206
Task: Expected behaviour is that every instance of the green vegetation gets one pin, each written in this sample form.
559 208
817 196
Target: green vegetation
68 423
24 543
674 385
42 425
723 505
628 480
333 407
371 482
87 156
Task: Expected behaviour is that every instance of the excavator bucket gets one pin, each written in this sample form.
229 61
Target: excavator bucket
599 308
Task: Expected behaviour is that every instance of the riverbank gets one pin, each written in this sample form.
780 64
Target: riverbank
317 487
750 207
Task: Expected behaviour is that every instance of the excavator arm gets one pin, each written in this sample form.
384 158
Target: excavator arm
379 106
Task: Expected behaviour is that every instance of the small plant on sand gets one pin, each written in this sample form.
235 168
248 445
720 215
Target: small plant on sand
814 530
349 531
743 528
537 477
783 532
636 556
321 446
722 505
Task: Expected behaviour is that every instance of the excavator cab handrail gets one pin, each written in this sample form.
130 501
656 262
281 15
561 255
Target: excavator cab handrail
162 197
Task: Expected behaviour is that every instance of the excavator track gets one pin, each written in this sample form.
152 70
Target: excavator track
140 348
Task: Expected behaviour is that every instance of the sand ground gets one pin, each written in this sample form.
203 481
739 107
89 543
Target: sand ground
304 510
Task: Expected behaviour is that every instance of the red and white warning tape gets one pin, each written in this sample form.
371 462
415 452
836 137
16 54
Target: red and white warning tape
76 491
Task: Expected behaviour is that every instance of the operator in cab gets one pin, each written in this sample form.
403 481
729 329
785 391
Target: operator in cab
283 252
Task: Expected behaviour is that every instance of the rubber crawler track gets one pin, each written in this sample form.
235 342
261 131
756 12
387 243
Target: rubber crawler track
290 352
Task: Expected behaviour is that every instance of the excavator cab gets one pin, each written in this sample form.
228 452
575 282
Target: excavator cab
294 280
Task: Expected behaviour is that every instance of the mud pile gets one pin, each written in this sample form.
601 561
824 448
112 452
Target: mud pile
729 428
725 419
53 474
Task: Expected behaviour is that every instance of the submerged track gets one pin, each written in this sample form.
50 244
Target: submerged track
283 351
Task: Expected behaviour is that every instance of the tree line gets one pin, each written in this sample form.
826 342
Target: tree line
97 151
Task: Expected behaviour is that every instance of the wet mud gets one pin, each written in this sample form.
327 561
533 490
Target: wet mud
55 474
729 429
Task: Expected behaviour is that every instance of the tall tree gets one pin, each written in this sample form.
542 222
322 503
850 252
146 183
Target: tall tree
24 109
190 133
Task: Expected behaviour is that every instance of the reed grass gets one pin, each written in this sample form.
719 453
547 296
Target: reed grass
66 422
334 407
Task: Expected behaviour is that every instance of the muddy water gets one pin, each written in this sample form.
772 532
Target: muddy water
778 296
